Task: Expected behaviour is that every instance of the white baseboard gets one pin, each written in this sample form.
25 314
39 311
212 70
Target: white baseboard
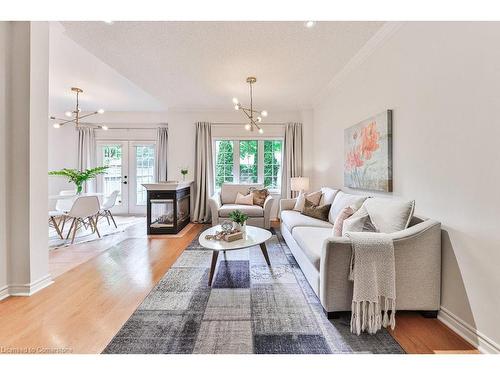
4 292
31 288
470 334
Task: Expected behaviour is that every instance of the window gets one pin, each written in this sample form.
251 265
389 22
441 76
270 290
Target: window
248 161
145 162
224 162
272 164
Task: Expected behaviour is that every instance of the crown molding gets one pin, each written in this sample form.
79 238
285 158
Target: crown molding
374 43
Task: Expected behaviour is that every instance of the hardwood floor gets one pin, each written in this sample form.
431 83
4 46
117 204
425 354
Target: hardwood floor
86 306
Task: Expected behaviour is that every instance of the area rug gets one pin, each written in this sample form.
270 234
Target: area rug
250 308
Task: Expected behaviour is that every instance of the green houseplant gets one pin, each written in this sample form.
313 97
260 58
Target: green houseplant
79 177
240 219
184 172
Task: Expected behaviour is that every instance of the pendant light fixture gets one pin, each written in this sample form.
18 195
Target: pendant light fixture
250 112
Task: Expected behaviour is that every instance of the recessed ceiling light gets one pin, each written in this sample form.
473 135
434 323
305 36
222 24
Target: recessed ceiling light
109 22
310 24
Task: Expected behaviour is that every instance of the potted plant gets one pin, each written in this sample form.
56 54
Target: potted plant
79 177
184 172
239 219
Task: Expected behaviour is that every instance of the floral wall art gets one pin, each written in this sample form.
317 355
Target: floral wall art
368 154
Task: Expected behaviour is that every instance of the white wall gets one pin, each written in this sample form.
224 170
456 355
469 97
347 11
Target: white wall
442 81
23 191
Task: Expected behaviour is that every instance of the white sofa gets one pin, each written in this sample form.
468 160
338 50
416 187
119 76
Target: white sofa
222 204
325 259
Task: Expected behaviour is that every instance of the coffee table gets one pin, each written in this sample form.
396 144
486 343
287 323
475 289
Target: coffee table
252 237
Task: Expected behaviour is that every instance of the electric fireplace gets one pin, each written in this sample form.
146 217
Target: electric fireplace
168 207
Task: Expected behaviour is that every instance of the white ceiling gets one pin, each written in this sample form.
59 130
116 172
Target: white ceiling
202 65
72 65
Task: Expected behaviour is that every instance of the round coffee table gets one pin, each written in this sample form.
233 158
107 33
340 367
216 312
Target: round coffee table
252 237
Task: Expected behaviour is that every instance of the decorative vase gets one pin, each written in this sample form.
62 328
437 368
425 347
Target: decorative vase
243 227
79 189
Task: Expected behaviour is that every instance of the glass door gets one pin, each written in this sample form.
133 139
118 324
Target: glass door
131 164
142 171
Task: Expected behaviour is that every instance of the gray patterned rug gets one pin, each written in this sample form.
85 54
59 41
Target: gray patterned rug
249 309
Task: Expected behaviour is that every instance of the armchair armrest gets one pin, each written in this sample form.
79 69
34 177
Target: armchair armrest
215 204
268 204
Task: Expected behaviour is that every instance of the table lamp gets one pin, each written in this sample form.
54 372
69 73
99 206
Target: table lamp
299 184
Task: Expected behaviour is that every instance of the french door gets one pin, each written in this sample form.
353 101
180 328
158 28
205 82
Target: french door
131 164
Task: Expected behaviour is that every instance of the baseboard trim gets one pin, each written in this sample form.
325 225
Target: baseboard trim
4 292
470 334
31 288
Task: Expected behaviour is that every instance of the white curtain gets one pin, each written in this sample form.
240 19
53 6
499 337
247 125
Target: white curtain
203 172
292 163
87 154
161 153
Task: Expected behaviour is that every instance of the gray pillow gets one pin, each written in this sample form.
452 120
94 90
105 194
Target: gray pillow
358 223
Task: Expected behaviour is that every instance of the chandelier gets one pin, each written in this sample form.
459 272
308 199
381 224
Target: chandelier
249 112
74 117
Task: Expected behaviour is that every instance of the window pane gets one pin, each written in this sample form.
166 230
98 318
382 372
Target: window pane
112 180
223 162
145 162
248 162
272 164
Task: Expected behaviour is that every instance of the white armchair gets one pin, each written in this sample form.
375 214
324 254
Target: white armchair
222 204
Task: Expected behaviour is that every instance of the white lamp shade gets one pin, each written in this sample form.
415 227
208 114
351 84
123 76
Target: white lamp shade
299 183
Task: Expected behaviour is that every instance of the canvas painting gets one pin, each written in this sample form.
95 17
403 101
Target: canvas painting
368 154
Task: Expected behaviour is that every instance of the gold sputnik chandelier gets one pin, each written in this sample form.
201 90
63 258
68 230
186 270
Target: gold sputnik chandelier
250 112
74 117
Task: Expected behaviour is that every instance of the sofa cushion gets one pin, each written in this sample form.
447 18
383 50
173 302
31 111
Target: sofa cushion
228 192
358 224
318 212
313 197
343 200
328 195
259 195
339 221
310 240
293 219
251 211
389 215
244 199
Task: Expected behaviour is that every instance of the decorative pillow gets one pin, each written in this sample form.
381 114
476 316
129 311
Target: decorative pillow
358 224
318 212
343 200
339 221
244 199
389 215
314 198
259 195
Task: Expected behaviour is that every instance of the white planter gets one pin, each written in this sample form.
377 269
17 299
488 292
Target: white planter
240 227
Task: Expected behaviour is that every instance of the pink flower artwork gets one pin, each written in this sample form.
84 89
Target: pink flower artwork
368 154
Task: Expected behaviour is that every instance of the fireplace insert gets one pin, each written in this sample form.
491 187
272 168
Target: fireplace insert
168 210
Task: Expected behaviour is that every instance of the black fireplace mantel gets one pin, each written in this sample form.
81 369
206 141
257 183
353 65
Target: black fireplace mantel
168 211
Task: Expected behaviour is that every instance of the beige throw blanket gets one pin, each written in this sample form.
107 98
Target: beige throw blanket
373 272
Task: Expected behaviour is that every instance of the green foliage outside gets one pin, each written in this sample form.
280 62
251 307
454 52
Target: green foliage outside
248 162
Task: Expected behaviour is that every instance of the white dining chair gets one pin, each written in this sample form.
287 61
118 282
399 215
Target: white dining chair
83 212
58 216
107 206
